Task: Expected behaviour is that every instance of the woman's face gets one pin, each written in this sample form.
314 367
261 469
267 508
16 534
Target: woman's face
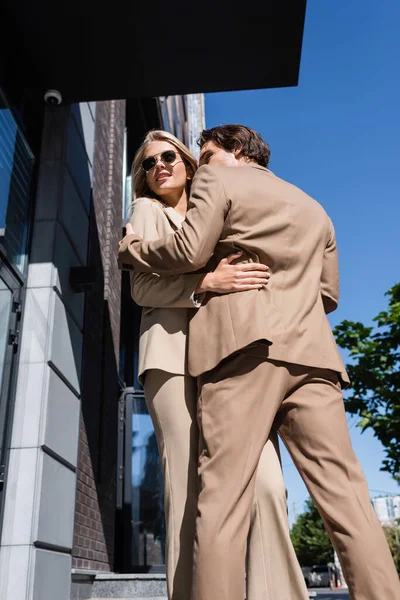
165 179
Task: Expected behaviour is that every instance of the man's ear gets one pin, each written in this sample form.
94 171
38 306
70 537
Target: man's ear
190 174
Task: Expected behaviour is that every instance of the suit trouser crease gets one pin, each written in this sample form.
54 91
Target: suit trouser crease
245 393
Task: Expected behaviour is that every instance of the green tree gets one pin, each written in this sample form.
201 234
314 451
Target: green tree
309 538
392 533
374 372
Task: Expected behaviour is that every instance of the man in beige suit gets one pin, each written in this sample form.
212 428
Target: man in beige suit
262 356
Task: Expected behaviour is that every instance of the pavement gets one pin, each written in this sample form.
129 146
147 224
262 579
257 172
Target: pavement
328 594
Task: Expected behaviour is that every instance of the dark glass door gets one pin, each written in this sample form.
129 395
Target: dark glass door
141 496
140 530
16 165
10 314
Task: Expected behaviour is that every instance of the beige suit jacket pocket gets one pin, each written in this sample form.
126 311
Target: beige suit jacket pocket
248 316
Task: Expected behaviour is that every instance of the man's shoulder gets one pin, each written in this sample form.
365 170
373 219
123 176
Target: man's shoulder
298 194
210 171
226 173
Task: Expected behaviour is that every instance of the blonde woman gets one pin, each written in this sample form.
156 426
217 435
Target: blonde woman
161 173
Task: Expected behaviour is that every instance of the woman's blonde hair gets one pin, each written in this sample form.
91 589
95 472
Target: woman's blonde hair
140 186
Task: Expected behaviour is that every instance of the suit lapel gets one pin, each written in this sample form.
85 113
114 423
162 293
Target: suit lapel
175 218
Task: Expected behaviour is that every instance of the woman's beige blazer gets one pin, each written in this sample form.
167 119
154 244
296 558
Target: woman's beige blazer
167 302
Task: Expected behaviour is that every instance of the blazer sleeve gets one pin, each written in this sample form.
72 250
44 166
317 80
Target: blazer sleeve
330 273
149 289
191 247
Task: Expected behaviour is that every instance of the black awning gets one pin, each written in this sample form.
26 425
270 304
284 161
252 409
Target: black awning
125 49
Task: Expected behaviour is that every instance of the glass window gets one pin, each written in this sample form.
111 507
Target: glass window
16 163
148 526
127 198
176 131
9 317
184 104
129 335
5 312
166 121
142 534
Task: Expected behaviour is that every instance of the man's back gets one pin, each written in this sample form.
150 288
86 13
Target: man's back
277 224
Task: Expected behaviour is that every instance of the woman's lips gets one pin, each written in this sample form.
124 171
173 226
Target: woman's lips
162 176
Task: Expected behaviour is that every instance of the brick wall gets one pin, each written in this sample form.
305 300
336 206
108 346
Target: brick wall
96 475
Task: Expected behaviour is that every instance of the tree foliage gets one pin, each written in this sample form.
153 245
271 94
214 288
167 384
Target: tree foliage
392 533
309 538
374 373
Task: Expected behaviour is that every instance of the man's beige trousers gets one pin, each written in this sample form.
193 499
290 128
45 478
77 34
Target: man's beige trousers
238 404
273 571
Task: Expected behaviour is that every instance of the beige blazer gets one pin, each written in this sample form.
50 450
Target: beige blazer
278 224
163 328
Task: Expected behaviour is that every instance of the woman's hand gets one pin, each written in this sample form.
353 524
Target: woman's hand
234 278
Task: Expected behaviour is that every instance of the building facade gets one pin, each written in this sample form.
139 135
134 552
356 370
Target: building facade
184 116
64 363
80 85
387 509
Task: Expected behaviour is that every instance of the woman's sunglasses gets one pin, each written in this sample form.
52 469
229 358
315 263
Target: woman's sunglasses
167 157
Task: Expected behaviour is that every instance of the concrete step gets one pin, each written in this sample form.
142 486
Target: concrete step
139 586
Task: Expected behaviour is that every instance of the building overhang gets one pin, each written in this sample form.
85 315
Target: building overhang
124 49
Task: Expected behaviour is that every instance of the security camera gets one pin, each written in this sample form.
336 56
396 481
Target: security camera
53 97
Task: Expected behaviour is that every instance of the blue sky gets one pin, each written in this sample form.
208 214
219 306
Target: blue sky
337 136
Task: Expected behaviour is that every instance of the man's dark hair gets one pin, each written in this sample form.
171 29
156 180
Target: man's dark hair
232 137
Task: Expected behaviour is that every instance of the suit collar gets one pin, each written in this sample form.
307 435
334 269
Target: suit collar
256 166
